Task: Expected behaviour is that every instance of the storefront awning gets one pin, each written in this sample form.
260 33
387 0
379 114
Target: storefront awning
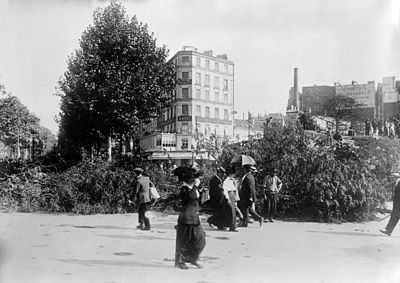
175 155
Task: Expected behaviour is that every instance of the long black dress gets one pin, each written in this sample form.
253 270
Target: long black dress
190 236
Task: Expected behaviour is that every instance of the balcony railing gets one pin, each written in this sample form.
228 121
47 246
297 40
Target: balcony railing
184 81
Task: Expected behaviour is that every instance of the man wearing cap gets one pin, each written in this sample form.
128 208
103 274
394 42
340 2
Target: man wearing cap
247 196
395 215
272 186
142 196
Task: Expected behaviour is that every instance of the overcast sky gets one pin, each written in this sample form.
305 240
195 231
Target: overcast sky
328 41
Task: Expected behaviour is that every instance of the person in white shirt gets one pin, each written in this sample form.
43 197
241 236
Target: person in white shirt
272 186
231 193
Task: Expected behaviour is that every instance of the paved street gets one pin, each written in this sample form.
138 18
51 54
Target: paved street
109 248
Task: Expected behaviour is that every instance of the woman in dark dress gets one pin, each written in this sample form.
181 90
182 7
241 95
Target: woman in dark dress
190 236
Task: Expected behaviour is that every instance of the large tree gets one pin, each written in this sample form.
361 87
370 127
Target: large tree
17 125
342 107
117 78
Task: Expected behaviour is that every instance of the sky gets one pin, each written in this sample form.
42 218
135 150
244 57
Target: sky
328 41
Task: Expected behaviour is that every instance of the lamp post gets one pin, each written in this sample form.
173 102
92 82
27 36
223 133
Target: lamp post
192 148
233 124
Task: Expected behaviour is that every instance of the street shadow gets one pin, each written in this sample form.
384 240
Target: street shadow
123 253
39 246
97 227
379 252
135 237
221 238
91 262
347 233
165 226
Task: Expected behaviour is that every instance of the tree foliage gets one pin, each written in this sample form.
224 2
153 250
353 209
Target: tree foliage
321 181
342 107
19 128
115 79
17 124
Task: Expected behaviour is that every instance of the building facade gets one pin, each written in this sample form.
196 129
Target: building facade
363 94
314 98
203 104
387 98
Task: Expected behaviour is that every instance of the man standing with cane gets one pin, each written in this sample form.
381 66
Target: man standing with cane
395 215
142 196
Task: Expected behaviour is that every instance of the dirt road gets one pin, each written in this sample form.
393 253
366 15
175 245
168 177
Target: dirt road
109 248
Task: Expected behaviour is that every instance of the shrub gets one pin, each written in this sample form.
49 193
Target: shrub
321 181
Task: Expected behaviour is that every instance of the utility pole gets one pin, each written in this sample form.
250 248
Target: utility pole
248 128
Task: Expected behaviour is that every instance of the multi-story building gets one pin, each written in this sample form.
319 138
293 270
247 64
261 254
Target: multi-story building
314 98
203 106
363 94
387 98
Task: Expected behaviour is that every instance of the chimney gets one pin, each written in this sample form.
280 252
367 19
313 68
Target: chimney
296 88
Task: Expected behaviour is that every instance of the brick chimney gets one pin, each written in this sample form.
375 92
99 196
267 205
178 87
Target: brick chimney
296 88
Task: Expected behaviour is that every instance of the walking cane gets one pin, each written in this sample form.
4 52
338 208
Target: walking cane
379 220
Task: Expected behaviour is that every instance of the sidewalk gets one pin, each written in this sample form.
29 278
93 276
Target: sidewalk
109 248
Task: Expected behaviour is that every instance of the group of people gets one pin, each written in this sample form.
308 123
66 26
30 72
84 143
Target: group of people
389 128
228 198
190 236
231 198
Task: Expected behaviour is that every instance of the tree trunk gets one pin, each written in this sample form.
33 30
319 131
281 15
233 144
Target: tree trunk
123 146
337 125
91 152
131 144
33 150
18 148
109 149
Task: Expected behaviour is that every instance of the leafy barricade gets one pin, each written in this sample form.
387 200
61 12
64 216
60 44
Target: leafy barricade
346 181
85 188
323 180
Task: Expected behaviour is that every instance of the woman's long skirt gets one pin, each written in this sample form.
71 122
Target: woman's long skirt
190 242
222 217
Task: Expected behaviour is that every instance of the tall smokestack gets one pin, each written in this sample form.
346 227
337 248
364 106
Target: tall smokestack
296 88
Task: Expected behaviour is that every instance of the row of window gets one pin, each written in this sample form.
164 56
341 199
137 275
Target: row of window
185 95
171 112
207 112
186 77
185 129
206 64
207 109
310 99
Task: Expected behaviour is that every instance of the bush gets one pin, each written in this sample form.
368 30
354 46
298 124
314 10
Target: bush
321 181
86 188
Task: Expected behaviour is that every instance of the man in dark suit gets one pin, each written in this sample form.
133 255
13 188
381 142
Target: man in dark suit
142 198
395 215
247 196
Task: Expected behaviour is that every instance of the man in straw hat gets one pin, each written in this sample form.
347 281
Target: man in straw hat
395 215
142 196
247 196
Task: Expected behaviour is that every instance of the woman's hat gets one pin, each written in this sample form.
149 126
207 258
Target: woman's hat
253 169
230 169
138 170
185 173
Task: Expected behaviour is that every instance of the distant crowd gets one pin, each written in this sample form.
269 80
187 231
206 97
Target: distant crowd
389 127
